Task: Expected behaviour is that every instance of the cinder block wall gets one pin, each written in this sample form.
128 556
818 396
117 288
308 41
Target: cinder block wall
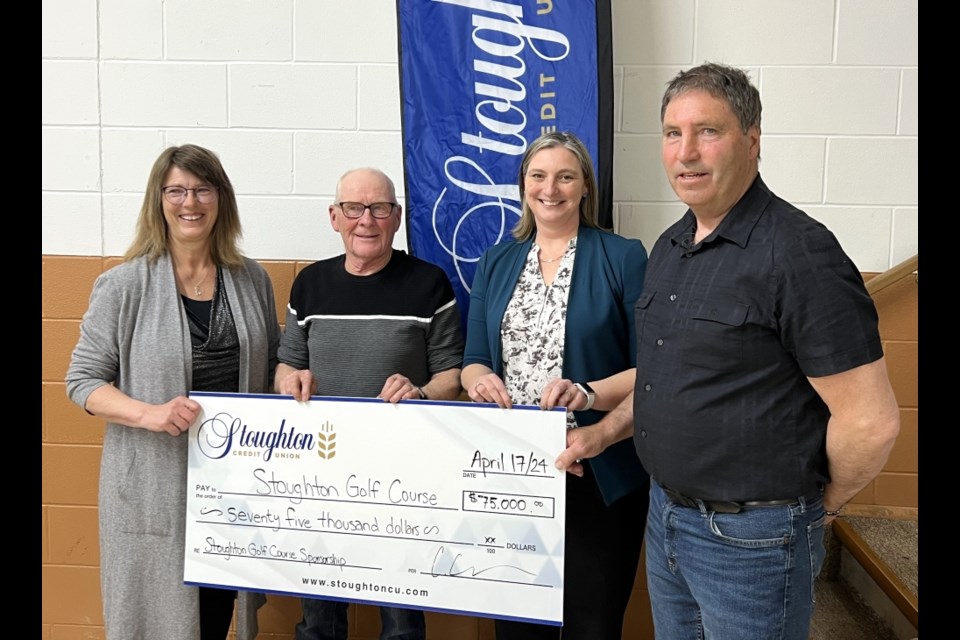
287 96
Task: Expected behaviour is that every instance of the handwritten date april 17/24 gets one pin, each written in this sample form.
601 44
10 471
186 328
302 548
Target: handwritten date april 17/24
510 464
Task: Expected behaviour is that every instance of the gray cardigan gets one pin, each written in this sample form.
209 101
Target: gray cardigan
135 336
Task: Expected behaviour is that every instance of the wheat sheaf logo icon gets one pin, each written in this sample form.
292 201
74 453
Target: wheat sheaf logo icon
327 442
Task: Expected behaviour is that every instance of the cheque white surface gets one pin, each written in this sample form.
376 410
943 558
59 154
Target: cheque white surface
442 506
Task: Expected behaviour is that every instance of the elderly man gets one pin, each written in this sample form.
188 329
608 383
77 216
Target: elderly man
370 322
762 403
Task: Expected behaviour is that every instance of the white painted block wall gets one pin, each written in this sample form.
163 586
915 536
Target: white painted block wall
291 93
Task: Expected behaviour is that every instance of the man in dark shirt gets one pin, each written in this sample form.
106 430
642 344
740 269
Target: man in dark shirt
372 321
762 402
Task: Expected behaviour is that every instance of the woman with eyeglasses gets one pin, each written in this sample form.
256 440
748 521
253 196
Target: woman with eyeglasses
551 323
184 311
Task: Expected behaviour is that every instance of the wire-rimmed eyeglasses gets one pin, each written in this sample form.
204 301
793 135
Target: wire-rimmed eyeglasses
176 195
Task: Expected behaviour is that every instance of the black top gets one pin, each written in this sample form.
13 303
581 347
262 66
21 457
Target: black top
216 346
728 330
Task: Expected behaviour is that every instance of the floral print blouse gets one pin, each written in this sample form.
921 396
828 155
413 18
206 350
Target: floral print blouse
532 330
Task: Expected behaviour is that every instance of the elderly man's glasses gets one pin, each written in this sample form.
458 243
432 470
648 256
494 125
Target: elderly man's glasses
176 195
377 209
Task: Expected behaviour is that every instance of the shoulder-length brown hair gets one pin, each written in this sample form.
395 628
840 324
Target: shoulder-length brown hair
151 235
589 205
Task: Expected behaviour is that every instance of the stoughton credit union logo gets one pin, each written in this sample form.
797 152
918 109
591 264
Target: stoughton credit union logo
223 435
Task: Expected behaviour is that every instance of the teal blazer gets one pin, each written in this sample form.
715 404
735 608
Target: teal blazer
599 337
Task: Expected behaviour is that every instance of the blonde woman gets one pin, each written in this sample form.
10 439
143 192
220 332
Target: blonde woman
185 311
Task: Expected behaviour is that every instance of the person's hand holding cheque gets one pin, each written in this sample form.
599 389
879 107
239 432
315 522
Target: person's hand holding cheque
483 385
173 417
298 383
399 387
588 441
561 392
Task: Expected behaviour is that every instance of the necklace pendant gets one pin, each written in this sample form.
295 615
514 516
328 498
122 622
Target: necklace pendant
197 290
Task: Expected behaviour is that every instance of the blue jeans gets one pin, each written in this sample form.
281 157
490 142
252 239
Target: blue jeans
743 576
327 620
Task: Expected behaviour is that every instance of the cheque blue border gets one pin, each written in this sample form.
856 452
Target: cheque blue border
449 403
452 403
372 603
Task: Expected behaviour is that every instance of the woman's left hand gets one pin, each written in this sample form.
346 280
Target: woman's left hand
561 392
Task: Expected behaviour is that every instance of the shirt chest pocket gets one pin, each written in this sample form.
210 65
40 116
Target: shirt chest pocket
640 314
713 334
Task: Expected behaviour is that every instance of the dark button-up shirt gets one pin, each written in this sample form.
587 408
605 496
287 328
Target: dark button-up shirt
728 330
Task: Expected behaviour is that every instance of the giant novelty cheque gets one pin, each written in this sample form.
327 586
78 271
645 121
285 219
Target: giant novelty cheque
451 507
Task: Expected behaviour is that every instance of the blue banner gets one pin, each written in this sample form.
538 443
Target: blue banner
480 80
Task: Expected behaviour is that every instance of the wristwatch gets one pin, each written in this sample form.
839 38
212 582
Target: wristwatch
588 391
420 392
